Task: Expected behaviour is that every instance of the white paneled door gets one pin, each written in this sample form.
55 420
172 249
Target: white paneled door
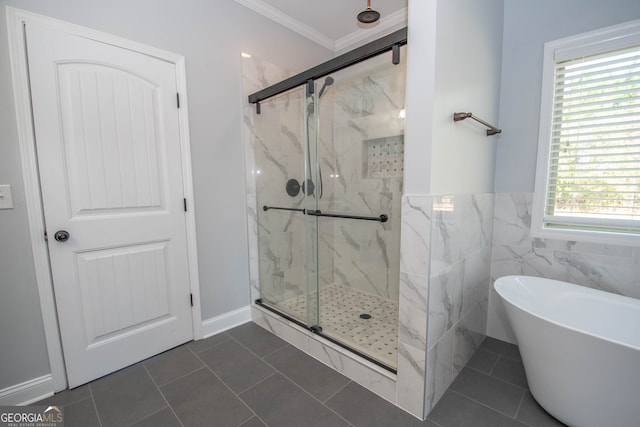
108 145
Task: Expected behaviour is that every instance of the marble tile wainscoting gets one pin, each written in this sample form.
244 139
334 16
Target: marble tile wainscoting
444 288
610 268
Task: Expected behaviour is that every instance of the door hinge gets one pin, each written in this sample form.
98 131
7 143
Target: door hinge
191 299
46 238
178 99
185 204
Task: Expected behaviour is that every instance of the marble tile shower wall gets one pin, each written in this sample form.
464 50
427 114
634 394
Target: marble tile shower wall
278 158
359 109
611 268
269 147
362 254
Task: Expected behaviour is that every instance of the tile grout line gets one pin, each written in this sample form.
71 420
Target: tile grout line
495 364
163 398
432 421
496 378
259 382
95 407
256 354
285 376
515 417
229 388
338 391
176 379
308 393
483 404
207 348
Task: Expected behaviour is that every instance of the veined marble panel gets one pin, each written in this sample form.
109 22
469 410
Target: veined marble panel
612 268
440 373
411 375
469 334
461 238
461 226
416 235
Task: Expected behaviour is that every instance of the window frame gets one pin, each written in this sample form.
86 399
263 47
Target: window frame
596 42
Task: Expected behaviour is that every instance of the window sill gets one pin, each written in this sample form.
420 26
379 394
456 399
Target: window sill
576 235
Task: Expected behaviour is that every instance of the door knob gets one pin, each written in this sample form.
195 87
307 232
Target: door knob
61 236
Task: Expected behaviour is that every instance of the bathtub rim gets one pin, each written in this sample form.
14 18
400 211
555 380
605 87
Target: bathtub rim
557 323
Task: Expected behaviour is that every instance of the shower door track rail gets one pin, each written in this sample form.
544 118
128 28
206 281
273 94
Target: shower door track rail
317 330
381 218
390 42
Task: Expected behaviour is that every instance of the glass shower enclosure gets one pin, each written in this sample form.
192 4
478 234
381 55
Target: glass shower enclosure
328 168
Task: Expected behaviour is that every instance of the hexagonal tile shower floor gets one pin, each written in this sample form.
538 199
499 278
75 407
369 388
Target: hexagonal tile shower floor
366 322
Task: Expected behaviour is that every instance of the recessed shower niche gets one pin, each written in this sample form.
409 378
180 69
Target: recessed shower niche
328 258
384 157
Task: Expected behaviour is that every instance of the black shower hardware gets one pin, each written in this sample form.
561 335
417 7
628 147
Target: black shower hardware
368 16
310 109
276 208
312 212
293 187
369 50
327 82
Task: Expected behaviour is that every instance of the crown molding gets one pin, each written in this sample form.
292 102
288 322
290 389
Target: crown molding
389 23
294 25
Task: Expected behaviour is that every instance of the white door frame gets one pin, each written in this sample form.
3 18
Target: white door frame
16 19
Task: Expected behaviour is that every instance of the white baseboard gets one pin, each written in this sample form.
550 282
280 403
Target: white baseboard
226 321
27 392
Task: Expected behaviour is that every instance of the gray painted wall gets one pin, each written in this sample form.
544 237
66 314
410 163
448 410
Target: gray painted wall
453 65
527 26
211 35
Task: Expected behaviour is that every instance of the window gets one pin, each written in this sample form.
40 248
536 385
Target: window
588 181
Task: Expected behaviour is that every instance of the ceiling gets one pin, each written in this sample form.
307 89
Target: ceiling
332 23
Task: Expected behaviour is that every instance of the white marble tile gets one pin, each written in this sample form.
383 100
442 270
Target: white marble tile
258 74
460 227
512 223
291 333
411 379
415 235
476 281
468 335
510 260
412 326
445 302
364 373
613 268
498 325
610 274
440 372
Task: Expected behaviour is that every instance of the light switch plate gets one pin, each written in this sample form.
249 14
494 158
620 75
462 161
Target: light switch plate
6 201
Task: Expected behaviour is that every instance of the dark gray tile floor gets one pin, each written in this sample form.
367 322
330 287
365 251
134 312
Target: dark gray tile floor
249 377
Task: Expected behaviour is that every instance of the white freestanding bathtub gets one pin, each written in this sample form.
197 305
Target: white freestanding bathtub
580 348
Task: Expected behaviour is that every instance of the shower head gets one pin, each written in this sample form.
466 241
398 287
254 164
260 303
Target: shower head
327 82
368 16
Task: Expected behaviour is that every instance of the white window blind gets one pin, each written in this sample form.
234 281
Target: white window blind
593 174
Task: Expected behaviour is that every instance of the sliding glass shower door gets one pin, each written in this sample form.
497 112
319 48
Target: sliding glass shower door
329 166
358 149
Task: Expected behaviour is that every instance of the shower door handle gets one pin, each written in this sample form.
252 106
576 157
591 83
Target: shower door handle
381 218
